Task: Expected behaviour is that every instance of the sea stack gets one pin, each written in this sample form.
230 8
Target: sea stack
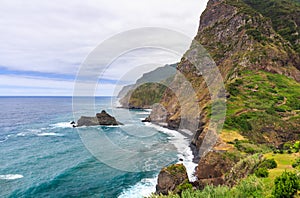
102 118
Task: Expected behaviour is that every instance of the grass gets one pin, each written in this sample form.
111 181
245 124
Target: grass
284 163
249 187
261 99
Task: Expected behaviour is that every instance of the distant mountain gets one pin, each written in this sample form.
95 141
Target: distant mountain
142 94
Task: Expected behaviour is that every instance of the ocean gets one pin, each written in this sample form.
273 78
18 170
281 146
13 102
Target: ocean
42 155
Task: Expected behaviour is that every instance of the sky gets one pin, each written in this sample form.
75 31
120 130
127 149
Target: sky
45 43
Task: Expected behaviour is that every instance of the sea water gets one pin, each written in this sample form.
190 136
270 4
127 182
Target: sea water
42 155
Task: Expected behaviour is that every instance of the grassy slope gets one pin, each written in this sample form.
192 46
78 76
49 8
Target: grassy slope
284 17
259 99
284 163
249 187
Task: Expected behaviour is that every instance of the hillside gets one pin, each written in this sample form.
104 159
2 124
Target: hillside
255 45
147 90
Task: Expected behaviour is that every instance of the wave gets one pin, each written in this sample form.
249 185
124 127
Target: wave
22 134
11 177
51 184
143 113
142 189
62 125
182 144
49 134
3 139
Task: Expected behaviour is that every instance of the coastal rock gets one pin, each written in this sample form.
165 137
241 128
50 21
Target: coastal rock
212 168
158 114
102 118
170 178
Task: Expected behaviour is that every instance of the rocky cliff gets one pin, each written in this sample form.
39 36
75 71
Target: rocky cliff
255 45
246 44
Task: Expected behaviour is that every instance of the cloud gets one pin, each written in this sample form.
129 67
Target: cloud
56 36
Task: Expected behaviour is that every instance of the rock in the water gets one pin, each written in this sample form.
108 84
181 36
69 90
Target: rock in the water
170 178
102 118
147 119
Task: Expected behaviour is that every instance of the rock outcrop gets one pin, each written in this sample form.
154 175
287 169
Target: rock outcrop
170 178
212 168
102 118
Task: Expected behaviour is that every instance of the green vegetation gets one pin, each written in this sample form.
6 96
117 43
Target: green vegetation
284 16
268 163
247 146
250 187
146 95
256 34
261 172
176 168
281 182
286 185
259 99
184 186
296 163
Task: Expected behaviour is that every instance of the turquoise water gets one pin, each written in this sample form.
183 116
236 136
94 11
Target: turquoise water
41 155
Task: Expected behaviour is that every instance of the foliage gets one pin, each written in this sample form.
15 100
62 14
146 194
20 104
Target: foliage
250 187
286 185
284 16
176 168
247 146
184 186
256 34
146 95
296 163
268 163
261 172
262 99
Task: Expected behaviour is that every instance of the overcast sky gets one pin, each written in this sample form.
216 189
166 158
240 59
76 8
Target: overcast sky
43 43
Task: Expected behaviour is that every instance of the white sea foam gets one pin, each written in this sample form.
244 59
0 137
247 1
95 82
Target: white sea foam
143 113
22 134
49 134
29 132
62 125
3 139
142 189
182 145
118 104
147 186
11 177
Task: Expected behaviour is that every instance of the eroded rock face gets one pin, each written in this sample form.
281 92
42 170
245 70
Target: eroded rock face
171 177
102 118
158 114
212 168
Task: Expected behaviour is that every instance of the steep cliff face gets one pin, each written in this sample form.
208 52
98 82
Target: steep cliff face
243 42
255 46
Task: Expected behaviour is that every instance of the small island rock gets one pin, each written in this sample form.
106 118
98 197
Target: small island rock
102 118
170 178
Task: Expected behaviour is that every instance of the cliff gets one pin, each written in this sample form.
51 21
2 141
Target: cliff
255 46
148 89
256 60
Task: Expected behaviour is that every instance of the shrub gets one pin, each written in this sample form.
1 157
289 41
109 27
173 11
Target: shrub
184 186
249 187
286 185
268 163
261 172
296 146
296 163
